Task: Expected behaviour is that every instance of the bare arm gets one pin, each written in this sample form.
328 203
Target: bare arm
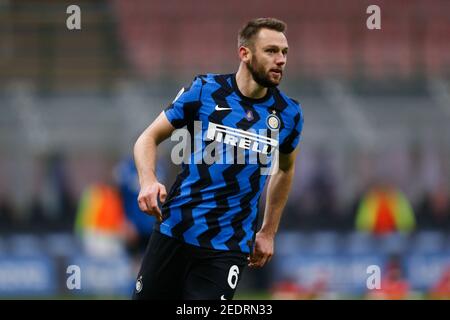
277 195
145 159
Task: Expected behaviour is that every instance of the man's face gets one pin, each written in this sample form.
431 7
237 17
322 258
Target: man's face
268 57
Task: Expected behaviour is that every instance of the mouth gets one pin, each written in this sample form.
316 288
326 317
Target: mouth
276 71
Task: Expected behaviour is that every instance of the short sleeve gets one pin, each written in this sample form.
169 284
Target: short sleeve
185 105
293 138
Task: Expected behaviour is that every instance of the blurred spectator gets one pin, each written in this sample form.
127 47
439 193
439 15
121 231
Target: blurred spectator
324 193
56 192
6 214
385 209
37 219
394 285
434 211
290 289
287 290
441 290
51 205
316 208
100 221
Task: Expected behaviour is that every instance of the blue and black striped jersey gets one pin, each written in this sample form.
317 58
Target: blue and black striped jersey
214 204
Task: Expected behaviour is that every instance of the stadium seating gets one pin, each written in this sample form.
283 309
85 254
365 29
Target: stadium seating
327 39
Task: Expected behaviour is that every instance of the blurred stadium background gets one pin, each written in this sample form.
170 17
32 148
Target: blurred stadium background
373 180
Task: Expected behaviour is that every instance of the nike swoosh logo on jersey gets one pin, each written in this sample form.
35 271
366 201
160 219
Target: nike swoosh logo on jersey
217 108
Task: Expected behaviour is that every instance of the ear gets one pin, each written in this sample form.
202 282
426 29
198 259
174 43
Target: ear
244 54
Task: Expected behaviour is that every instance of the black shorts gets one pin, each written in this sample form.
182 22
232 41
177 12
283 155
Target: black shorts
172 269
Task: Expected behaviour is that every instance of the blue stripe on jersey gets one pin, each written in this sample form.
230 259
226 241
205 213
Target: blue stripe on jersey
176 203
227 229
190 235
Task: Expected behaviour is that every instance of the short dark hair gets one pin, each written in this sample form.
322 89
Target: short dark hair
252 27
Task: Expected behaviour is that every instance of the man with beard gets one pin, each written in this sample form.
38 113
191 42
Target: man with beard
206 229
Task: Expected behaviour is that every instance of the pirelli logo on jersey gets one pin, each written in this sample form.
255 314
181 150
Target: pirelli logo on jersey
241 138
219 144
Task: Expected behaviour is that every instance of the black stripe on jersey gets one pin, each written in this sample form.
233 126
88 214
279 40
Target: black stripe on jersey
189 108
190 111
203 181
286 147
222 206
238 220
231 183
278 106
219 97
174 192
203 168
223 79
244 123
229 174
176 187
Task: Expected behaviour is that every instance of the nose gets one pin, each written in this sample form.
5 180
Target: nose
280 60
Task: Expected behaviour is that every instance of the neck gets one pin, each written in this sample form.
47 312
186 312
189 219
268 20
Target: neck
247 85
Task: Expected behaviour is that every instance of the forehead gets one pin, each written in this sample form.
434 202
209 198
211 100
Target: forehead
267 37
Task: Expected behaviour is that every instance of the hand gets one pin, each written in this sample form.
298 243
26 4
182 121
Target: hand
262 252
148 199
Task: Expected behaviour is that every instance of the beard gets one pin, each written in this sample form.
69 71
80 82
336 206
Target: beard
260 76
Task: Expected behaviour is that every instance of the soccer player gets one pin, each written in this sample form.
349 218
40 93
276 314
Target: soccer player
206 230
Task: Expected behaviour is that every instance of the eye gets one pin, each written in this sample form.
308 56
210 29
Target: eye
271 51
